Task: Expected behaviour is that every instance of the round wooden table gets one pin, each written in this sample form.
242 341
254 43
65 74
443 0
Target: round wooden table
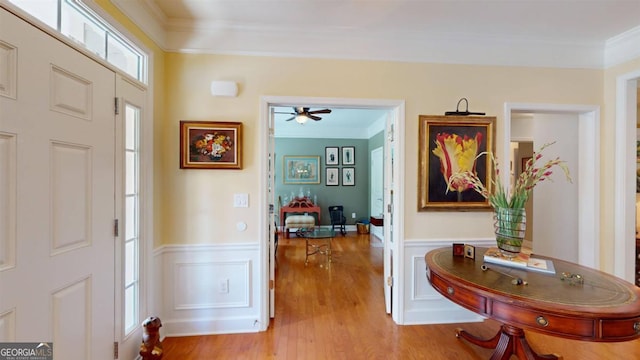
601 307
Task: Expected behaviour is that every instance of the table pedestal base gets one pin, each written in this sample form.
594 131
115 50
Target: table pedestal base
508 341
313 247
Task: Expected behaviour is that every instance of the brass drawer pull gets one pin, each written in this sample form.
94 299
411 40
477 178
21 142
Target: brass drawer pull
542 321
450 290
636 327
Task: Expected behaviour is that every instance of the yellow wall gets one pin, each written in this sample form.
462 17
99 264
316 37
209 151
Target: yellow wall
195 206
200 201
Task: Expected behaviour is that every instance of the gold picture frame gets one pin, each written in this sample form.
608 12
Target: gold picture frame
432 185
210 145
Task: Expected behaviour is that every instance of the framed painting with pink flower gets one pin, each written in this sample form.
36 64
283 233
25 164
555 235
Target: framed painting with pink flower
210 145
448 145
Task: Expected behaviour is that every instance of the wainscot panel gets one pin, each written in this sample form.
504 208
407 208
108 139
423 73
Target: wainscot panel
209 289
422 303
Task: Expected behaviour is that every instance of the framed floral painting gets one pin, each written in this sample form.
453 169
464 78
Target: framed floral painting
210 145
451 144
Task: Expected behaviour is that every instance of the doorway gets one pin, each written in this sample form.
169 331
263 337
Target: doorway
586 173
393 135
625 175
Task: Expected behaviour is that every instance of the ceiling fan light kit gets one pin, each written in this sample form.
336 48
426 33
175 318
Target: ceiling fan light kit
302 114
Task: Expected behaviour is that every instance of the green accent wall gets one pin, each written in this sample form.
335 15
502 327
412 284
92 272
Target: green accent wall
353 198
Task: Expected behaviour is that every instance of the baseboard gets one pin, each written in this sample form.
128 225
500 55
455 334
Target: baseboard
193 327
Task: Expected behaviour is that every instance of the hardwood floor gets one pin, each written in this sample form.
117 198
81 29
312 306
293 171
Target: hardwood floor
337 312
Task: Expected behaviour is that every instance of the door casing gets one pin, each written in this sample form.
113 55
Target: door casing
397 107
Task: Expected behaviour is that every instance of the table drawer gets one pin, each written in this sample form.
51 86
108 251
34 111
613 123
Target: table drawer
622 330
540 321
459 295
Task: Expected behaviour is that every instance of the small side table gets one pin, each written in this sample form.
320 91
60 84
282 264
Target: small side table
318 241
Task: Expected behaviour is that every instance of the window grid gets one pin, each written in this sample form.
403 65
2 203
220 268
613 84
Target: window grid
132 224
77 22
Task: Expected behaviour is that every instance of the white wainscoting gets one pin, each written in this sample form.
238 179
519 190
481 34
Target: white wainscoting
193 304
209 289
423 304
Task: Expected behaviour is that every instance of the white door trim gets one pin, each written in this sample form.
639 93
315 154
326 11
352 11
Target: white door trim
624 183
589 165
398 106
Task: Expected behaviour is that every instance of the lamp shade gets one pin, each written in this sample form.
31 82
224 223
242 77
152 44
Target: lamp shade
224 88
301 119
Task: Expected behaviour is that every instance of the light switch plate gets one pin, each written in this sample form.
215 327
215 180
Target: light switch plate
241 200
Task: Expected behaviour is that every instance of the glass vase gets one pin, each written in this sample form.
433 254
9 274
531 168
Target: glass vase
510 225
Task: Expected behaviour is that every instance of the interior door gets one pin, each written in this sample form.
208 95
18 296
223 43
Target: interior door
272 217
557 236
57 135
389 243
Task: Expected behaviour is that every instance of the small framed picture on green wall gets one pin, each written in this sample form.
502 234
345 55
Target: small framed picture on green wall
331 177
348 176
331 155
348 155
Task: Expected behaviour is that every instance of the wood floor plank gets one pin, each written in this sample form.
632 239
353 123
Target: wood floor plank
338 312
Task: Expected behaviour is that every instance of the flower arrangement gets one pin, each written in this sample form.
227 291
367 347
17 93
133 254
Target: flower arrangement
531 176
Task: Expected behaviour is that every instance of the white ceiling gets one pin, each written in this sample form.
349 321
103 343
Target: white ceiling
565 33
552 33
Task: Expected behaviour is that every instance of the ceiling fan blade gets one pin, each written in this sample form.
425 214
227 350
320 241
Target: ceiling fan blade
279 112
291 118
323 111
313 117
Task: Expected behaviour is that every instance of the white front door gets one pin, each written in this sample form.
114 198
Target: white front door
57 182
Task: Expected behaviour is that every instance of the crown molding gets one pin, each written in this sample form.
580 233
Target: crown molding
201 38
622 48
146 15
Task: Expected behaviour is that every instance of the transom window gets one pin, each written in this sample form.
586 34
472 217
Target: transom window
76 21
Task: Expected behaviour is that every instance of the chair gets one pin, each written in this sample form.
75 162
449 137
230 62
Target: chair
338 219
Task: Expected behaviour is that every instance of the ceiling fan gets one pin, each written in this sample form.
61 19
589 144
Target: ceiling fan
302 114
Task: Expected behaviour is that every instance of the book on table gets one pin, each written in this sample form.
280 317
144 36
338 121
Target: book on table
523 260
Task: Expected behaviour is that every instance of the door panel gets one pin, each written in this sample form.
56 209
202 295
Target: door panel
58 135
130 275
389 186
273 229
